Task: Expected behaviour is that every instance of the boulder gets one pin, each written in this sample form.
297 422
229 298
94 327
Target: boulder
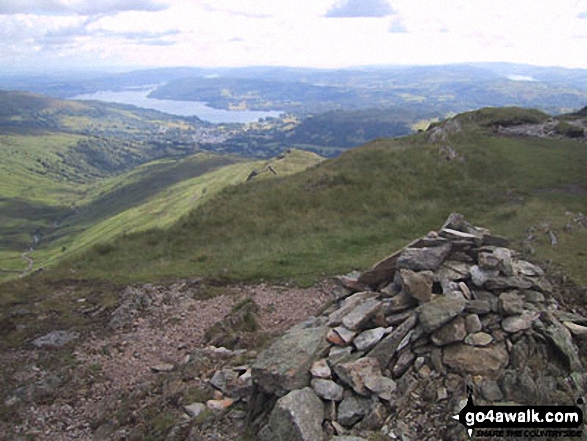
285 365
296 416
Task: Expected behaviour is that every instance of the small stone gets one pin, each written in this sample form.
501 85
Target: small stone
352 409
320 369
403 363
384 387
424 371
399 303
348 305
422 259
327 389
479 339
386 348
504 256
441 394
339 354
521 322
356 372
361 314
334 337
367 339
55 339
527 269
476 360
194 409
576 330
480 275
163 367
479 306
439 311
219 404
346 334
452 332
465 290
511 303
224 379
534 297
417 284
488 261
491 391
473 324
297 416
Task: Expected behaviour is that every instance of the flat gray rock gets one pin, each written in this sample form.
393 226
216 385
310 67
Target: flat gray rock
369 338
352 409
421 259
439 311
361 314
55 339
327 389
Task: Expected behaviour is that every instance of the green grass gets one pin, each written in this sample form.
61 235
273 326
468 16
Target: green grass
349 212
154 195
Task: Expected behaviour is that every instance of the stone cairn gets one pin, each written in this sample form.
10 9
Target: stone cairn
396 355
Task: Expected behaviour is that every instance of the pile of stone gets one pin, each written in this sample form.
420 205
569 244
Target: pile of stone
452 312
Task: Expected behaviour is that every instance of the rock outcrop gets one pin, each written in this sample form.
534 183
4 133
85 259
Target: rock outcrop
396 354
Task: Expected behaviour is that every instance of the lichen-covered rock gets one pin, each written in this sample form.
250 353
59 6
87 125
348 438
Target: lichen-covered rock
439 311
285 365
296 417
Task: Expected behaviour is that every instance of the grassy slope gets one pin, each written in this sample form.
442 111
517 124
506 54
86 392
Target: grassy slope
156 195
353 210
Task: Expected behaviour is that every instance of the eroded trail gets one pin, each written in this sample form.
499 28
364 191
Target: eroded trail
153 336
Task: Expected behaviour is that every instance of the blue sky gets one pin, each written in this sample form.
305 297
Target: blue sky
54 34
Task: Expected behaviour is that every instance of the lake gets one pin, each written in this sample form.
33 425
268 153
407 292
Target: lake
139 98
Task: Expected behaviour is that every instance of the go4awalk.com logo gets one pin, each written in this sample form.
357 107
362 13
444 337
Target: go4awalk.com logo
521 421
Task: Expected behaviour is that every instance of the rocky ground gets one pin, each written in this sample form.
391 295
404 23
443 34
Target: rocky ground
133 378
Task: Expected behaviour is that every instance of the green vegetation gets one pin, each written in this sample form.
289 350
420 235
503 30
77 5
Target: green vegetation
504 116
349 212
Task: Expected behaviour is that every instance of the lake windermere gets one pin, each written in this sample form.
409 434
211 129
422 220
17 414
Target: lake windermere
140 98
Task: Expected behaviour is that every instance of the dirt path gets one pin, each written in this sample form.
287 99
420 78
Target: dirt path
121 361
30 264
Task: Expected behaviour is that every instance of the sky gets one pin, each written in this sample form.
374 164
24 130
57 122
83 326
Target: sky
47 35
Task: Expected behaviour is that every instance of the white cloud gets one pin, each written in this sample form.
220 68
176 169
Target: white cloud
360 8
300 33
